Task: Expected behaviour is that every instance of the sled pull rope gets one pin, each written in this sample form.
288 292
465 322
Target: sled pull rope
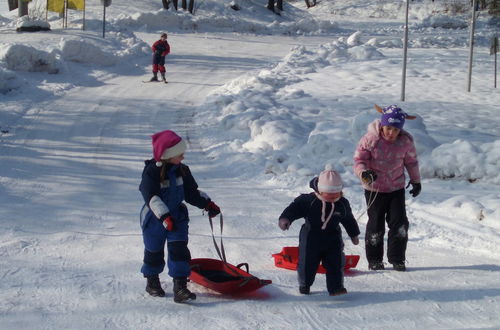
371 200
220 251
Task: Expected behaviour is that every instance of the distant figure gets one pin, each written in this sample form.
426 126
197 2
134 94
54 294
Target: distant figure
166 183
380 159
160 48
320 236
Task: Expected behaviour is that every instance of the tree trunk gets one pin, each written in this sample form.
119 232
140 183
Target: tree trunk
12 4
165 4
270 5
175 2
191 6
184 4
279 5
23 8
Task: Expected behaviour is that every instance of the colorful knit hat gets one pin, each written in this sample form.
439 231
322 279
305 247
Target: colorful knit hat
393 116
167 144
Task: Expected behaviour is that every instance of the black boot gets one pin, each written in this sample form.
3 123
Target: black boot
155 77
154 287
163 77
181 292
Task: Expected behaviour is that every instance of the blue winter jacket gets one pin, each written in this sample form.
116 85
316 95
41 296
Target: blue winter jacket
161 199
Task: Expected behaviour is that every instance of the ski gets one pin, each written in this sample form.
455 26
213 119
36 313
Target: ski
149 81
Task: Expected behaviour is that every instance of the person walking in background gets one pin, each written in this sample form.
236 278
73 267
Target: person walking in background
320 236
166 183
380 159
160 48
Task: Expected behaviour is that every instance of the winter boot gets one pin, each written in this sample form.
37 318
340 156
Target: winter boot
163 77
154 287
338 292
155 77
399 266
376 265
304 289
181 292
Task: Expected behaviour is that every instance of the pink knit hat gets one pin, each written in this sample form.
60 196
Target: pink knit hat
329 181
167 144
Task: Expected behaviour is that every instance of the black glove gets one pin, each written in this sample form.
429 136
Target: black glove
368 176
415 188
284 223
212 209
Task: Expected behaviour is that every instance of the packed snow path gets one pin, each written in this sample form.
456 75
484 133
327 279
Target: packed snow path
76 266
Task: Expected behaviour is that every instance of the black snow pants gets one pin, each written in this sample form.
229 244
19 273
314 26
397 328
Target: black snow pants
390 208
317 246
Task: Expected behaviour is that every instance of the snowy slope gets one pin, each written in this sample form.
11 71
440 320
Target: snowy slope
263 103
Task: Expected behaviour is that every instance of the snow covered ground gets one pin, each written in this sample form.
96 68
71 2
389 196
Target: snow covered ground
265 102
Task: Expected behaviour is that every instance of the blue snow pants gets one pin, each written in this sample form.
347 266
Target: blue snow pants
155 235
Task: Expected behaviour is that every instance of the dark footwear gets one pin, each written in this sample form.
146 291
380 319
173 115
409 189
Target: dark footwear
154 79
399 266
376 265
163 78
304 289
339 292
153 286
181 292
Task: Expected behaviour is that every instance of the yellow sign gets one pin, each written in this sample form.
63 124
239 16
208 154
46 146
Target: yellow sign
55 5
76 4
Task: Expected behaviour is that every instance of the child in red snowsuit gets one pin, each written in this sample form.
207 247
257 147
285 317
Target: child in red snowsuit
160 48
320 236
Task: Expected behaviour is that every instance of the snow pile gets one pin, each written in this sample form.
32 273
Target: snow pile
8 81
252 17
466 160
19 57
27 23
85 52
445 22
282 126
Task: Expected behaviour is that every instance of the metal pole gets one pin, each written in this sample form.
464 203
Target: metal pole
471 43
495 83
405 52
104 21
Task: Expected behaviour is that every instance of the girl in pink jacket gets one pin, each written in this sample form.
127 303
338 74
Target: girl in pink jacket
380 160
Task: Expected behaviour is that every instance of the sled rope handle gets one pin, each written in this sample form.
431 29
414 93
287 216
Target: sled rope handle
371 200
220 251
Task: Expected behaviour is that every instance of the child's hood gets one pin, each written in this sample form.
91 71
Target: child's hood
314 184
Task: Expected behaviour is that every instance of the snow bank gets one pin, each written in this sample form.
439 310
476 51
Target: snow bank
85 52
266 115
253 17
26 58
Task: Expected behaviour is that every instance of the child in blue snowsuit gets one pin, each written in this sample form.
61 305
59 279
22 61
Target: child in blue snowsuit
165 184
320 236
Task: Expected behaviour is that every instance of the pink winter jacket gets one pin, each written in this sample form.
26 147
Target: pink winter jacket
387 159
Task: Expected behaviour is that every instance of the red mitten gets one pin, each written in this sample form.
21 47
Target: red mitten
167 221
212 209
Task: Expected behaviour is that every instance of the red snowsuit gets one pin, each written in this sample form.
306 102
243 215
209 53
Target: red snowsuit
160 49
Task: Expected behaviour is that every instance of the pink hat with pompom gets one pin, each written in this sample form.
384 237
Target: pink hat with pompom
167 144
329 181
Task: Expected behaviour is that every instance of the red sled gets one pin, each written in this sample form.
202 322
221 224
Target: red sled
224 278
288 258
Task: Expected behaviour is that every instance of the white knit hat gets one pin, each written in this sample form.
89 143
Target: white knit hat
329 181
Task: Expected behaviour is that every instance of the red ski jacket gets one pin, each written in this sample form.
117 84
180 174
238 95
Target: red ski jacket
161 47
